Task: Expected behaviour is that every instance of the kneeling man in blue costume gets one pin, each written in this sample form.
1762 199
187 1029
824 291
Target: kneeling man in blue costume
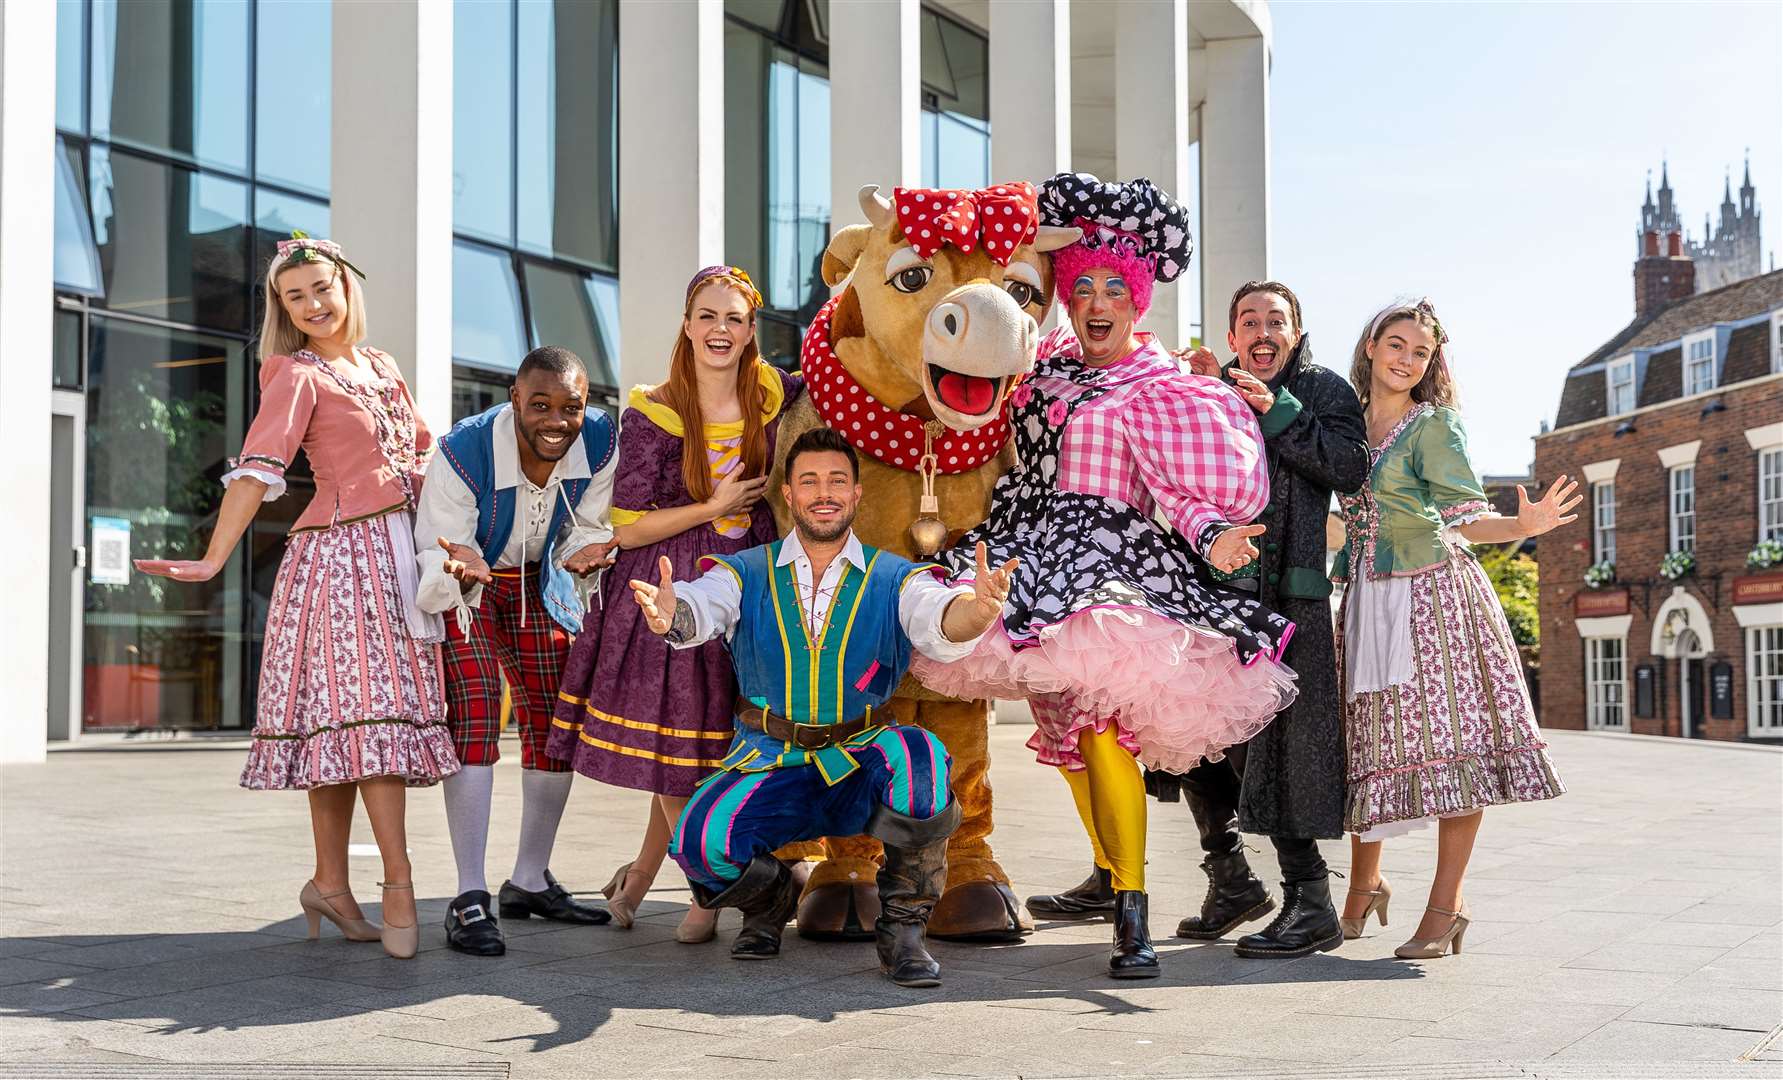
821 629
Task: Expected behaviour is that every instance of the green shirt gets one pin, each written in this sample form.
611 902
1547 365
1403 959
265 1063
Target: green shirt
1422 483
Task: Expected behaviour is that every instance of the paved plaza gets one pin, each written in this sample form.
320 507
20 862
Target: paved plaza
1630 928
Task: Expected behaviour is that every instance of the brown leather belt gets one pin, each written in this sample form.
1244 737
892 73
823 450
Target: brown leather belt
802 736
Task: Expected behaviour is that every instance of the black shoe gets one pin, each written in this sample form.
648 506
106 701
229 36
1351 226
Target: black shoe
552 902
1307 924
470 928
1234 896
1133 956
1095 896
767 894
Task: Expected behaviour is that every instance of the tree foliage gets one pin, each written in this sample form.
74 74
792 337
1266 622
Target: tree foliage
1515 577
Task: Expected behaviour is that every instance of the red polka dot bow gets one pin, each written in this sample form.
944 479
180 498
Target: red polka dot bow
1004 217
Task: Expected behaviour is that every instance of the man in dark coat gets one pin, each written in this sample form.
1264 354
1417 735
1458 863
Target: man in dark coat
1288 782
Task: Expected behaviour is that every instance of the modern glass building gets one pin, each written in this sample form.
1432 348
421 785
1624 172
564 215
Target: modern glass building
190 135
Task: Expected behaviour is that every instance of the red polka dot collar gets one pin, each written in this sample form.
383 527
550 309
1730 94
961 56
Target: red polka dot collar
877 429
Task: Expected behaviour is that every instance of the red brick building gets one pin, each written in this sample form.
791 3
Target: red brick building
1675 427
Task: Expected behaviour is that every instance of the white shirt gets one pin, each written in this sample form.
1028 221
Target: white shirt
449 509
715 599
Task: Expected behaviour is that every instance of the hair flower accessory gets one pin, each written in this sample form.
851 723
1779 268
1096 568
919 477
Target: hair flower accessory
303 248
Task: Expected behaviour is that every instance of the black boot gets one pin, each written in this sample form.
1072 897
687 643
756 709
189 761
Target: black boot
910 883
1095 896
1307 924
1133 956
1234 896
767 895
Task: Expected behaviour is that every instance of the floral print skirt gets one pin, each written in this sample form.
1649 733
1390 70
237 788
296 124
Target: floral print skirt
347 693
1460 733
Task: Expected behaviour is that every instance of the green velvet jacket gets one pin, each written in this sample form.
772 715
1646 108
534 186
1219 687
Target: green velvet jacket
1422 483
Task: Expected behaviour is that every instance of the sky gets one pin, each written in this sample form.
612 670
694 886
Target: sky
1494 157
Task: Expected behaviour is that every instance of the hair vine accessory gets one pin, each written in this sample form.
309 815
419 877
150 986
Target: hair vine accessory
304 248
736 273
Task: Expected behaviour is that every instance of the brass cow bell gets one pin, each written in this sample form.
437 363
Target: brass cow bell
928 533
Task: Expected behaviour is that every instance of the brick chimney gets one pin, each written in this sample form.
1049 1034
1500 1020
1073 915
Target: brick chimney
1660 279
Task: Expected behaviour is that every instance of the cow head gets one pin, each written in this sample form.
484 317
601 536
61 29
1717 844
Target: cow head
944 336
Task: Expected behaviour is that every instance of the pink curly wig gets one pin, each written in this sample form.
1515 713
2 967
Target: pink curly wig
1103 248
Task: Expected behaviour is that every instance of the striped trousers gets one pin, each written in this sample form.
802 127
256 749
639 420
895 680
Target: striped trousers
734 815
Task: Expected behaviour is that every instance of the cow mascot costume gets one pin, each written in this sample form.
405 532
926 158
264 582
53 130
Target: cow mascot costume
913 363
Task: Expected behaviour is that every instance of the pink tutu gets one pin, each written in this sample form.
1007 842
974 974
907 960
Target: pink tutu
1177 694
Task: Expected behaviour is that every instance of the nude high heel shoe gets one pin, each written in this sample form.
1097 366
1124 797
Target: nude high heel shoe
401 942
1431 948
316 908
1352 928
622 911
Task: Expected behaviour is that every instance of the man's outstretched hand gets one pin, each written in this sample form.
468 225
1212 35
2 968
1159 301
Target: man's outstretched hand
591 559
657 601
466 564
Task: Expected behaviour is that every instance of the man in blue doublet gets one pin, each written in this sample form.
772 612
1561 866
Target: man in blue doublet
821 629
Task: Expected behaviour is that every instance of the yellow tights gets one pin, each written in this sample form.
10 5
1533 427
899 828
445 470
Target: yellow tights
1110 796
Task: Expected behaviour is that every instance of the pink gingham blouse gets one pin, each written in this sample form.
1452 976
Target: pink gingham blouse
1161 439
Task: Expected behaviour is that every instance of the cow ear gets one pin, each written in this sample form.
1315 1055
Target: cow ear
844 251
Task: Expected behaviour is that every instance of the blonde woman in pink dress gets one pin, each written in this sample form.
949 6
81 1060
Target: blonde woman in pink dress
351 701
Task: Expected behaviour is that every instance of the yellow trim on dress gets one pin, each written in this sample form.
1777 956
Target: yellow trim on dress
626 517
666 759
774 396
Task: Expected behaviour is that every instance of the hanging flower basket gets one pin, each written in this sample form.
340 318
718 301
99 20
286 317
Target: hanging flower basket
1600 575
1767 554
1676 564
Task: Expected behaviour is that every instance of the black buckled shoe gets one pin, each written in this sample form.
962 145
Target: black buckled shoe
1307 924
767 894
552 902
1095 896
470 928
1133 956
1234 896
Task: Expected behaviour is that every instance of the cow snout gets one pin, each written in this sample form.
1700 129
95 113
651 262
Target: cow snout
978 329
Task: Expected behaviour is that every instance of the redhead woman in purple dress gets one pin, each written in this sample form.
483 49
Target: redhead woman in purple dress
694 456
351 702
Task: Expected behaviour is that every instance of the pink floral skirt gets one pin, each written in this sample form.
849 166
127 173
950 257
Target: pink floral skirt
346 691
1175 694
1460 734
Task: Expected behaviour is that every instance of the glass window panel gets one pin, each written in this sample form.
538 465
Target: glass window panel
292 95
71 68
275 215
486 326
936 75
747 56
76 258
568 123
173 76
563 314
931 154
172 243
165 409
66 343
962 153
476 391
969 63
483 119
798 184
604 291
760 13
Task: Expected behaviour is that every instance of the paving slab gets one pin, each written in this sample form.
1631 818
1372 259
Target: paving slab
1614 932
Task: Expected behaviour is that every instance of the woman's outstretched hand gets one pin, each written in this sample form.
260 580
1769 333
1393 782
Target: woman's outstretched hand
1535 518
180 570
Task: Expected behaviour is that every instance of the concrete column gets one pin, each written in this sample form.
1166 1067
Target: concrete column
1030 59
1151 136
27 299
671 169
1234 241
875 101
391 197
